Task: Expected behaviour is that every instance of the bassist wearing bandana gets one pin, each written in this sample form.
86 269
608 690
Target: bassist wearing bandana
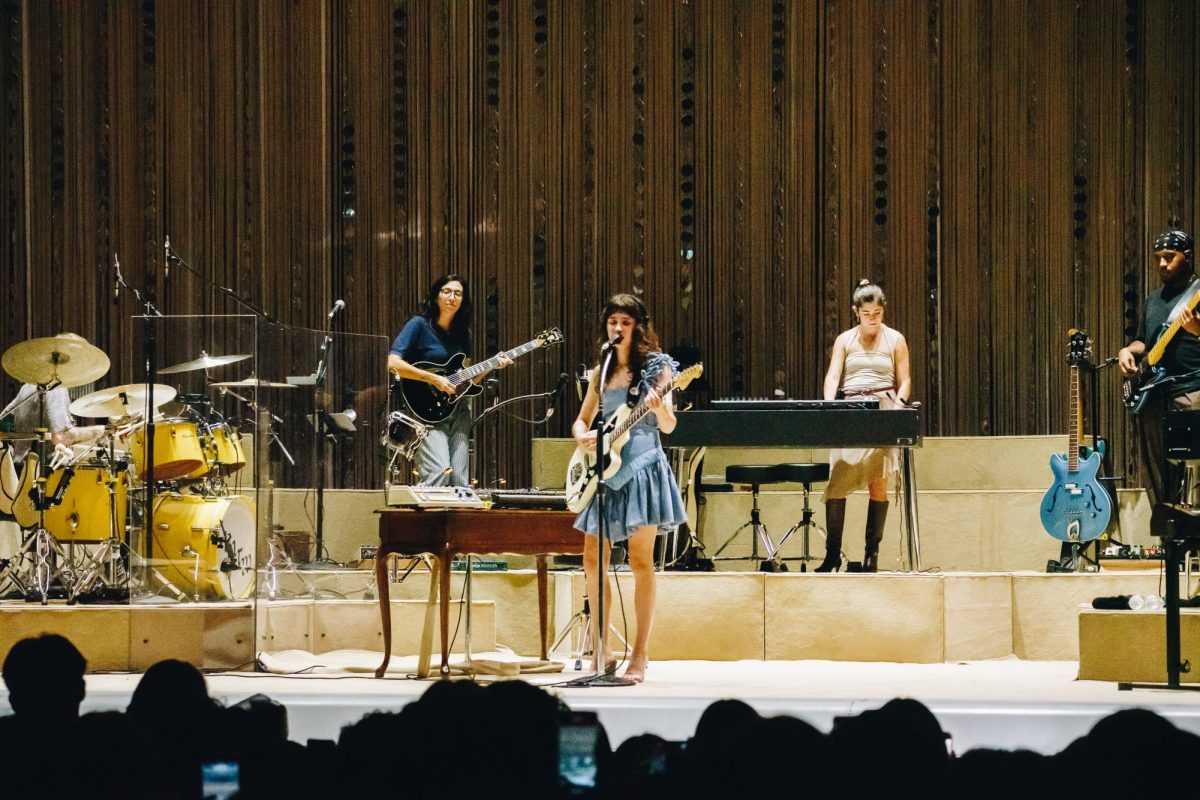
1168 349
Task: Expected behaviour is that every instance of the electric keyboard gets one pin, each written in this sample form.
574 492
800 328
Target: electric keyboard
797 427
766 404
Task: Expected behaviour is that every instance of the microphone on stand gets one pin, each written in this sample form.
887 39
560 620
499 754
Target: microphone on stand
562 382
117 281
611 343
338 306
166 257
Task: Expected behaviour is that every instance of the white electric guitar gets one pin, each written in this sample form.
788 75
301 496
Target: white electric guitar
582 473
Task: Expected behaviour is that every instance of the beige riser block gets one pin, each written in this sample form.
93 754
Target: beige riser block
978 616
1132 645
988 531
210 637
1046 609
889 618
697 616
350 518
323 626
100 633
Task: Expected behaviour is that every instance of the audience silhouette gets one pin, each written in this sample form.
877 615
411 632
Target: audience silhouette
461 739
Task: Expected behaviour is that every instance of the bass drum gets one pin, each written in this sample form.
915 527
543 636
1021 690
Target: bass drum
204 546
85 513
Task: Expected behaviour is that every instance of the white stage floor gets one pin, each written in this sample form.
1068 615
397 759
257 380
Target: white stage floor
1006 703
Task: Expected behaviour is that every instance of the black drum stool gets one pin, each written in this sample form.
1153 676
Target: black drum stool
755 475
806 475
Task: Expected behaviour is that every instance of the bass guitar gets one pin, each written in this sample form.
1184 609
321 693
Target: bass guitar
583 472
1139 386
1076 507
432 405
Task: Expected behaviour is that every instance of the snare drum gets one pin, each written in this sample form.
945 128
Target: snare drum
404 434
205 545
85 513
177 450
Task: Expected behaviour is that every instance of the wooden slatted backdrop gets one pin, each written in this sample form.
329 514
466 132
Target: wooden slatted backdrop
1000 166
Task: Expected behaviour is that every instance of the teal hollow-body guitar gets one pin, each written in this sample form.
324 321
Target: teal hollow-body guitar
583 473
432 406
1076 507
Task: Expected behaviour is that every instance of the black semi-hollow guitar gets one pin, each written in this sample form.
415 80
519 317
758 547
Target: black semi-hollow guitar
432 405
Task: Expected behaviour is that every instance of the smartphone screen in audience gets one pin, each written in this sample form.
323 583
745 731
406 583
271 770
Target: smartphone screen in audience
219 780
578 734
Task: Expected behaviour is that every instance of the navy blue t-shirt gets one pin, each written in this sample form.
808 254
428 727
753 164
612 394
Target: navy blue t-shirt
422 340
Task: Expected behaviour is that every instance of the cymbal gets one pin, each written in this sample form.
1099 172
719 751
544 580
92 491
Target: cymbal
19 436
73 362
121 401
205 361
251 383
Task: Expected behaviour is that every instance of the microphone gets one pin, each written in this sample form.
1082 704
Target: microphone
117 281
562 382
611 343
338 306
166 257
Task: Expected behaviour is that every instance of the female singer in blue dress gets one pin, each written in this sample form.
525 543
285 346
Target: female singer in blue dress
642 498
441 330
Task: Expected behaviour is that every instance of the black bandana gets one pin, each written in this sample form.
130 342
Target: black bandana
1178 241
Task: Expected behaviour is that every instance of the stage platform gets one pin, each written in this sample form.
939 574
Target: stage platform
1006 703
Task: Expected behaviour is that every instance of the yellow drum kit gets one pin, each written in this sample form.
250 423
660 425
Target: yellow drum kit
81 509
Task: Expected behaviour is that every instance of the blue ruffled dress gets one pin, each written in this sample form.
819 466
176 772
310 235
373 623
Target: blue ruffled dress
643 491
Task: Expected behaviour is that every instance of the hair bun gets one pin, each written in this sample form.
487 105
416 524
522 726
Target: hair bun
865 282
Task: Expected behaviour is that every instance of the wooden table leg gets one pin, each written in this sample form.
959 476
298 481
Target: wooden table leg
431 608
444 568
385 608
541 583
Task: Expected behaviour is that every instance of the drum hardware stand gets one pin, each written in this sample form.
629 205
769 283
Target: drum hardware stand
101 569
804 525
579 629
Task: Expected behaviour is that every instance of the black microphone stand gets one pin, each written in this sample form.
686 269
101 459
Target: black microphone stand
602 535
320 414
150 369
551 395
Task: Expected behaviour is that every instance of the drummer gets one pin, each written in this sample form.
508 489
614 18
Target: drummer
25 413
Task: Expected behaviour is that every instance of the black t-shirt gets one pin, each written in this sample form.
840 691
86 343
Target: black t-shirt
1183 354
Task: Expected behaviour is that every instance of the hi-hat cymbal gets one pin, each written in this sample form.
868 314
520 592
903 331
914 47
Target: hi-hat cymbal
121 401
205 361
251 383
73 362
19 436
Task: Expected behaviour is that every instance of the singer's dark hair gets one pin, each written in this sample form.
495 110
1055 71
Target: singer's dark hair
645 340
460 326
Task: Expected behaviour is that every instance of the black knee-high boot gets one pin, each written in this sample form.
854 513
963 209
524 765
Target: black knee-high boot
835 519
876 516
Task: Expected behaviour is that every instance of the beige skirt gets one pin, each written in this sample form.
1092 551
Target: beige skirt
852 468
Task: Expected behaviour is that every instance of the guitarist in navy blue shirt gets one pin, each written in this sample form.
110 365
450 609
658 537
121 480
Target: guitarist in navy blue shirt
442 330
1180 361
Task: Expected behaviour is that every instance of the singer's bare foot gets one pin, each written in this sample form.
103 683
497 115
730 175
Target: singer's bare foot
636 671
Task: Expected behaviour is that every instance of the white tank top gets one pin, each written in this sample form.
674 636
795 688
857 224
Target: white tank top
867 371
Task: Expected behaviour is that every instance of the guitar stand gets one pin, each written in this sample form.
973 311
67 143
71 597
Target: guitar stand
1074 558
